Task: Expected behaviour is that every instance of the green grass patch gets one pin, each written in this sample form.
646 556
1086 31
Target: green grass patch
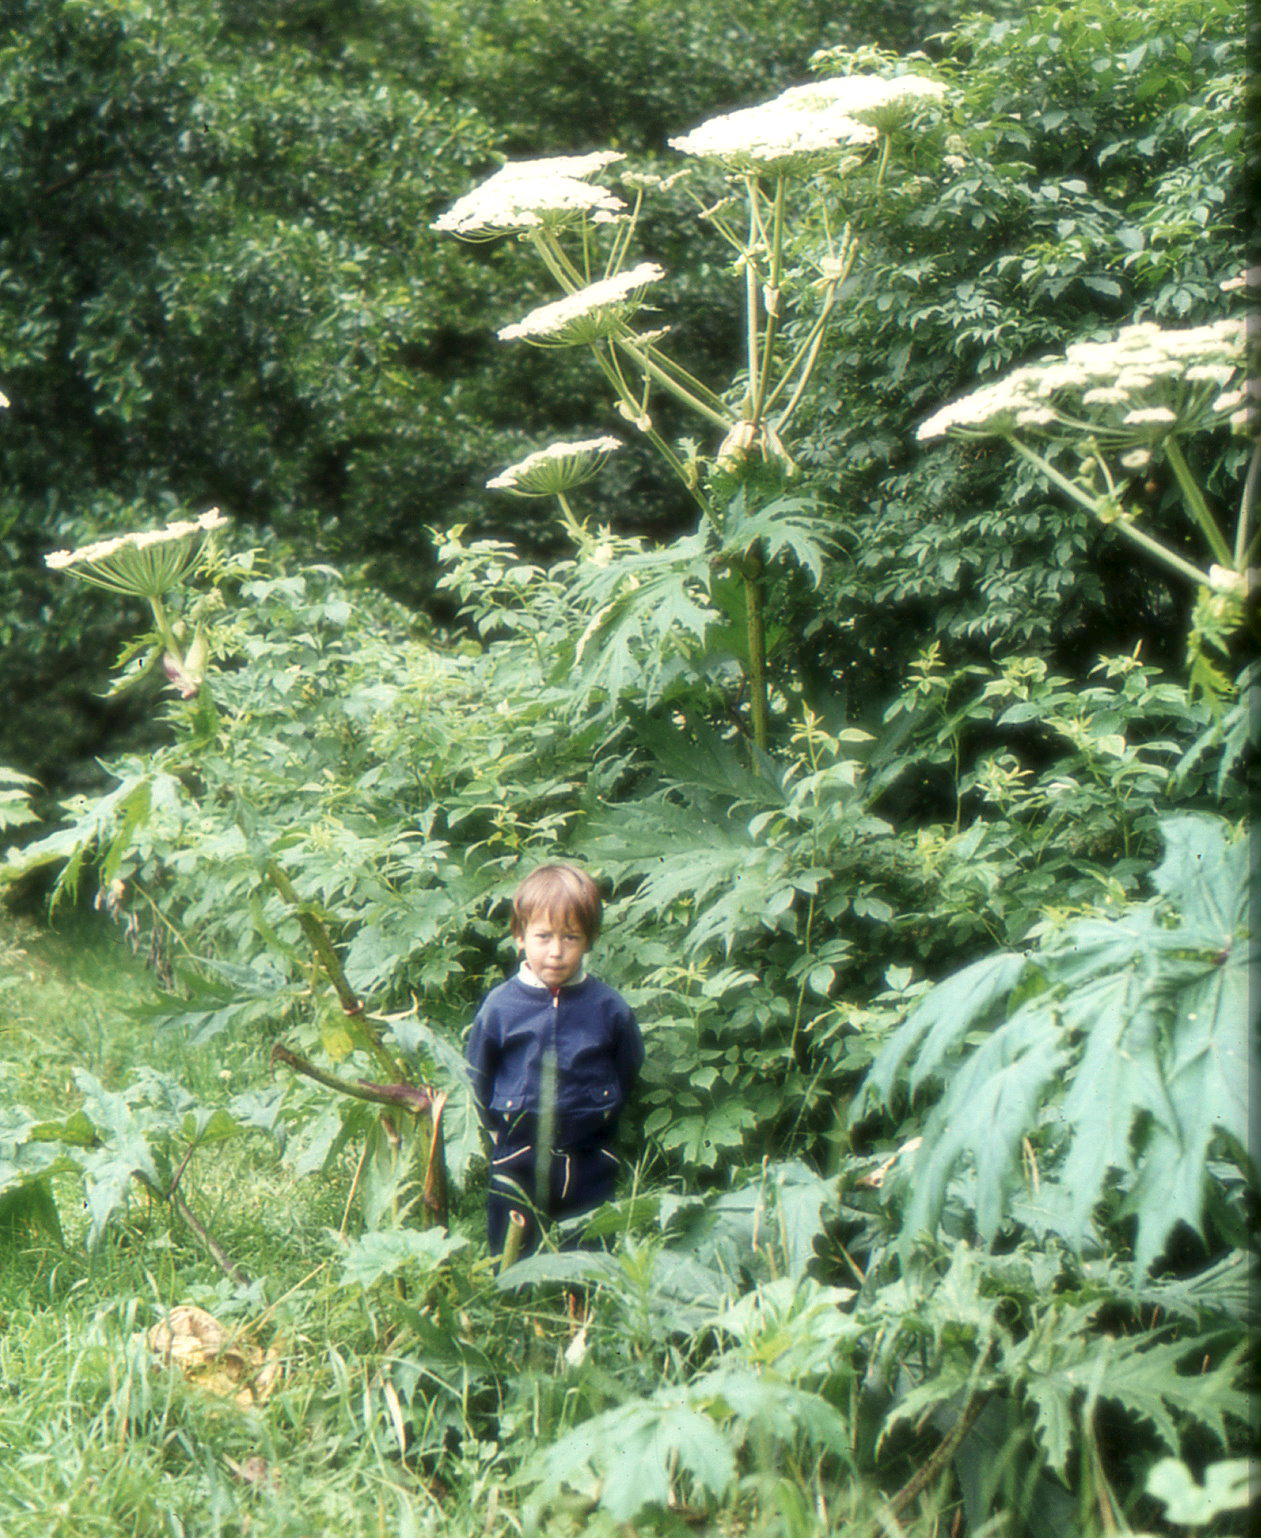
99 1436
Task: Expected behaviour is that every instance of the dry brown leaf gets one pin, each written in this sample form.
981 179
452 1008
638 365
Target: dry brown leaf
226 1365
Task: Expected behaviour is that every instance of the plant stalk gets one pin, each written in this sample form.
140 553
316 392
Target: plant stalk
752 568
1153 547
1194 498
328 958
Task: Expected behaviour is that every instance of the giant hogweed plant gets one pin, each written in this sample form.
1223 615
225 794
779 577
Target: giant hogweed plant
1109 414
769 172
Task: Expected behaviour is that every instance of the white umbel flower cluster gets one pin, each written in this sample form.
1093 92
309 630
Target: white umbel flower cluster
528 195
587 314
806 124
146 564
869 98
1143 384
556 469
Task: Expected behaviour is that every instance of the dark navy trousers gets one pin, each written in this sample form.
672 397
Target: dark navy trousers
526 1181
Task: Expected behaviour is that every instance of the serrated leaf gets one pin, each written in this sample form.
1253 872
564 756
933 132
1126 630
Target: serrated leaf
1145 1379
385 1252
631 1458
1128 1061
941 1021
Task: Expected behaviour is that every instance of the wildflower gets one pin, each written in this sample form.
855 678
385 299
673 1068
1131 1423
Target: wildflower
882 104
580 166
803 126
807 124
556 469
534 194
146 564
1143 378
587 314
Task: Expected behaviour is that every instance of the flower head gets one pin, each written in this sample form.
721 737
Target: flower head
775 136
587 314
1139 386
534 194
869 99
146 564
807 125
558 468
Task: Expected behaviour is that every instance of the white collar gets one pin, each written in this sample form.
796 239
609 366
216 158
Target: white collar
532 980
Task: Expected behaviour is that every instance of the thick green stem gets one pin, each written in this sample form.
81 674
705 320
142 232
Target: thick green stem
1195 502
886 145
163 625
773 280
752 570
752 323
1243 546
328 958
1153 547
808 352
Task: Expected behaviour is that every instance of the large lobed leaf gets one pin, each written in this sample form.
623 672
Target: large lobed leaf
1117 1052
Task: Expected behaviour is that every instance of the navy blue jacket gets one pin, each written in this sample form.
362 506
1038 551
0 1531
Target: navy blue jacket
584 1033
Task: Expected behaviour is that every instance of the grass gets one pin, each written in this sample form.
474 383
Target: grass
99 1439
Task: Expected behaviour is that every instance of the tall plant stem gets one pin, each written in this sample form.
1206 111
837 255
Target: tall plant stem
1243 546
577 531
803 361
328 958
752 569
162 620
1153 547
752 355
774 276
1195 502
668 380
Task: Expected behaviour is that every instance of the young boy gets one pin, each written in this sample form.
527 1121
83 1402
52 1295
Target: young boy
552 1057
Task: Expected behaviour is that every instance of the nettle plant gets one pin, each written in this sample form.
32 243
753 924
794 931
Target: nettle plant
787 185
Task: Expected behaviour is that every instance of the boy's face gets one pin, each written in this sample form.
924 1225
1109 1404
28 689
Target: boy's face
554 947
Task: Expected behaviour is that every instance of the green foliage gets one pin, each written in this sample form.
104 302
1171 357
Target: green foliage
626 74
939 1213
1111 1063
1079 147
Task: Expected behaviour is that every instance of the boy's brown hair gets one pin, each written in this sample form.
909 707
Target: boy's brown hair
561 892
